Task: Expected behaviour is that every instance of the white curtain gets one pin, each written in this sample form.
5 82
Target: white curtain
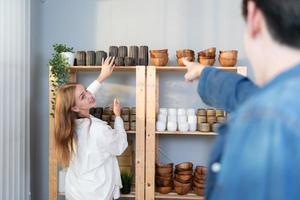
14 99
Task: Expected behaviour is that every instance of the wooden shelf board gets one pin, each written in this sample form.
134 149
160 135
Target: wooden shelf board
173 195
183 68
186 133
130 195
98 68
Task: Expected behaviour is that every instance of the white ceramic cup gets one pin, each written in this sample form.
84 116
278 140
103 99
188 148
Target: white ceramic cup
191 111
192 119
183 126
172 111
181 111
172 126
163 111
192 126
162 117
172 118
160 126
69 56
182 118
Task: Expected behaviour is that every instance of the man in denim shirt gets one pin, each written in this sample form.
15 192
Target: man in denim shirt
257 152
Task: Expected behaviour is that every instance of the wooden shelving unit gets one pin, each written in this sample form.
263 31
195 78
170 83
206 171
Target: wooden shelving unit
139 190
152 136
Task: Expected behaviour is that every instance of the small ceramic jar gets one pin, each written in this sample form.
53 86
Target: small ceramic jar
172 126
172 111
162 117
172 118
192 119
160 126
163 111
191 111
183 126
181 111
182 118
192 126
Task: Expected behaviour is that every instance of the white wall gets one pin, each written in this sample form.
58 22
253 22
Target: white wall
97 24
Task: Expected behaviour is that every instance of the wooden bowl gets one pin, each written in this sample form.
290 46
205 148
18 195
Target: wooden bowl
189 172
184 178
199 191
199 185
182 190
164 165
162 178
180 62
185 166
159 51
204 127
159 55
227 62
164 190
165 174
163 183
159 61
185 53
206 54
201 170
200 181
199 176
179 184
164 170
206 61
229 54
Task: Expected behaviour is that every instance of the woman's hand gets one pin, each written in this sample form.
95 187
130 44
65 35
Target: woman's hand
117 107
107 68
194 70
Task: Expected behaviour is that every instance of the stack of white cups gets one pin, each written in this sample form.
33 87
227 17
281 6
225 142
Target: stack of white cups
183 125
162 119
192 119
172 119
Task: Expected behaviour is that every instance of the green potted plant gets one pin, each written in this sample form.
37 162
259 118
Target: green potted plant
127 178
59 69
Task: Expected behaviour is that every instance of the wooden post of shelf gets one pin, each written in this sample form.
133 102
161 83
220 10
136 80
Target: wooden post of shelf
150 133
156 112
140 132
52 153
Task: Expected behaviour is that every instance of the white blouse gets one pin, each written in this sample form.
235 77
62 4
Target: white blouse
94 172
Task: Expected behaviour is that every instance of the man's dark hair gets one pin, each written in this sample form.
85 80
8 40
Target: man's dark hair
282 18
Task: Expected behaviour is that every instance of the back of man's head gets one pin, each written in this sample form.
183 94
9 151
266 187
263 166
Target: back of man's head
282 18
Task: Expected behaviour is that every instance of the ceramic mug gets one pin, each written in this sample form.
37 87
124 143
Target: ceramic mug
192 126
192 119
160 126
191 111
182 118
172 111
181 111
172 118
183 126
172 126
162 117
163 111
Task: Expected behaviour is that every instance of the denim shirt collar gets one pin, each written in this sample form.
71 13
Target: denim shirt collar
288 74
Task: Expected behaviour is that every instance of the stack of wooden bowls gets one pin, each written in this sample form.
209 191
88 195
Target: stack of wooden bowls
185 53
100 55
183 177
210 119
90 58
143 55
159 57
207 56
228 58
199 180
80 58
133 119
164 177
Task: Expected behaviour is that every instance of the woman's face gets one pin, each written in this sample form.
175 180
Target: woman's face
84 100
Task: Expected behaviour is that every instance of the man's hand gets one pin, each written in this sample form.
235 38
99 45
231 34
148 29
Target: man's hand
107 68
194 70
117 107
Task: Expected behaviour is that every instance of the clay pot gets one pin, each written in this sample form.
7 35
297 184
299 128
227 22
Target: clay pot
119 61
184 166
227 62
164 190
113 51
164 170
182 190
199 191
90 58
206 61
99 56
129 61
159 61
80 58
163 165
134 53
122 51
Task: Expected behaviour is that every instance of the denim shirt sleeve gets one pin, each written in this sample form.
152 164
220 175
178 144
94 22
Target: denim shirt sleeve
260 158
226 90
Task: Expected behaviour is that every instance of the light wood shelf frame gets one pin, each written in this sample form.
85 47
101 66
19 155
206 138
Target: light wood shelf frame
152 136
140 76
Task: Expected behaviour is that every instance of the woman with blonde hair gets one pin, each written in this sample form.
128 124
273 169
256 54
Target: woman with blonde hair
86 145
